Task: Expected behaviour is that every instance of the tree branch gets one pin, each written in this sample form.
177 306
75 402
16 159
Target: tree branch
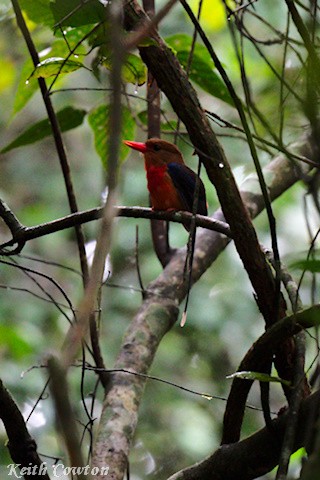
158 314
255 455
24 234
173 81
21 445
56 131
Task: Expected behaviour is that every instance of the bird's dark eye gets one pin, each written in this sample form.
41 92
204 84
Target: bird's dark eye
156 147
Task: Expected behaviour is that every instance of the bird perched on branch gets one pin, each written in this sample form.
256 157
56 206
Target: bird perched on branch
172 185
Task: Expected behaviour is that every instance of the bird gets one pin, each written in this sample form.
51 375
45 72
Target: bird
170 182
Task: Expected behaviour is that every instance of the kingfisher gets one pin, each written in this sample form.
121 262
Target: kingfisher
171 183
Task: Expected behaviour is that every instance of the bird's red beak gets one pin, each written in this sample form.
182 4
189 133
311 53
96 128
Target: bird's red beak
141 147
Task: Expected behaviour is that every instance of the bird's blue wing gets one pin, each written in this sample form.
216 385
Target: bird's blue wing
184 179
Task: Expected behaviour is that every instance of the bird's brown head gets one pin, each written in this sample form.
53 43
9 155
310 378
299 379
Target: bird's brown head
157 152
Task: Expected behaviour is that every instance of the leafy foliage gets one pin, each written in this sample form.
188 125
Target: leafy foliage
99 120
51 67
201 69
68 119
73 14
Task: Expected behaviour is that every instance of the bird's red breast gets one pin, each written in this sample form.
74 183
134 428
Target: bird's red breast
171 183
164 195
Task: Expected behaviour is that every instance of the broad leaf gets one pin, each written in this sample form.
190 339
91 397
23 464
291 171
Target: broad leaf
54 66
13 340
68 118
74 36
133 70
99 122
61 48
202 67
74 13
310 265
38 11
25 89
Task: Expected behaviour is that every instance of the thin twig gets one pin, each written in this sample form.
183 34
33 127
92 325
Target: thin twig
56 135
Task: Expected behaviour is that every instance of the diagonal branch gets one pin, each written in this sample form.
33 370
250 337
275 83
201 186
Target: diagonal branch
173 81
158 314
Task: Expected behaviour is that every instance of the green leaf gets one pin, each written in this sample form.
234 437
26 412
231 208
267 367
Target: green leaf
181 42
99 122
261 377
203 75
74 36
25 89
7 69
54 66
12 340
310 317
133 71
68 118
38 11
61 48
202 67
74 13
310 265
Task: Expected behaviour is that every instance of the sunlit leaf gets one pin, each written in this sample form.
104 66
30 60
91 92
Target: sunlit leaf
213 16
260 377
133 70
54 66
74 13
99 122
68 118
201 70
